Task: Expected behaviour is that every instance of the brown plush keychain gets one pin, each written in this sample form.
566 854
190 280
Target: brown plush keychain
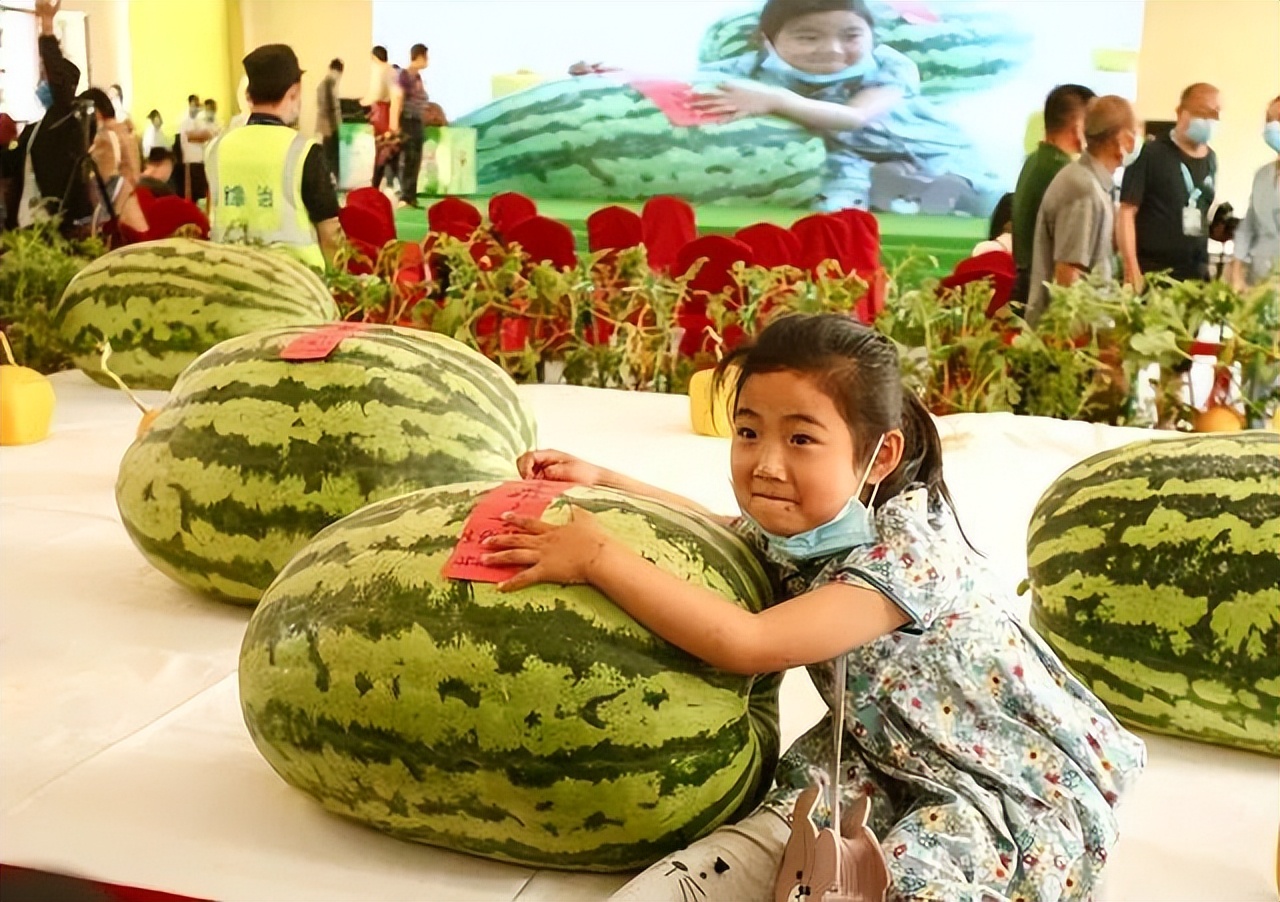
826 866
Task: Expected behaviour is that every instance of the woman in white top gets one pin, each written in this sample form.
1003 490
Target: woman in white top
1256 251
153 136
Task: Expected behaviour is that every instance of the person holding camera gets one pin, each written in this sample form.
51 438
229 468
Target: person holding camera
1256 251
46 164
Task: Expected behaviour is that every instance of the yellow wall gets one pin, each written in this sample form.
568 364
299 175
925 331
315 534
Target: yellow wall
1234 44
318 31
165 69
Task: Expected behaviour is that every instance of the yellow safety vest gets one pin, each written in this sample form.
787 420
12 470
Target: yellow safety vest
255 189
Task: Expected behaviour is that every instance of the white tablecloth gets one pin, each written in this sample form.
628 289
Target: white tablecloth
124 757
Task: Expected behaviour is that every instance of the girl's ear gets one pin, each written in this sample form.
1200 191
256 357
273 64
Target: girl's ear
889 457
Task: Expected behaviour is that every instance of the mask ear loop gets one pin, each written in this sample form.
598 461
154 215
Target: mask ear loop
867 475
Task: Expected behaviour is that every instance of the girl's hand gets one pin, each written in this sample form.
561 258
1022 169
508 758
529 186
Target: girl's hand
559 467
551 554
738 101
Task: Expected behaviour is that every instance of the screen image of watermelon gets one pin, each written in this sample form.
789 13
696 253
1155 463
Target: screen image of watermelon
594 137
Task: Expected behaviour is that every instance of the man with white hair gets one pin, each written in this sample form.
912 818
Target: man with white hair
1075 227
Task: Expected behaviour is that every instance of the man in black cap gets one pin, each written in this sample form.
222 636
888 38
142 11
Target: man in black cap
45 168
266 181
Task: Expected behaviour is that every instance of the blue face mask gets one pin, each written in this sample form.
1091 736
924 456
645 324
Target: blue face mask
44 94
776 65
851 527
1271 134
1201 131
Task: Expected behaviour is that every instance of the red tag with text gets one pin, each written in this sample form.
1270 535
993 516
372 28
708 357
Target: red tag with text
528 498
320 343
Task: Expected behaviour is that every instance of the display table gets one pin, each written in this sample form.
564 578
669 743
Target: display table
125 759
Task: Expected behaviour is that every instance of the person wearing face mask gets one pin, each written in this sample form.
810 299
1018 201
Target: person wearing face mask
1256 250
1076 222
888 148
266 181
1167 193
194 133
1064 110
46 162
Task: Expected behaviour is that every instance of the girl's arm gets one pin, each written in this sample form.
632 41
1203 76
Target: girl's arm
816 626
566 468
740 100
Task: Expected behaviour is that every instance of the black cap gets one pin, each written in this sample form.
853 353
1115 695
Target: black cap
272 69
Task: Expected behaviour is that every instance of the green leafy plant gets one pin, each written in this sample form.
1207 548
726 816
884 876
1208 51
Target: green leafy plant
36 264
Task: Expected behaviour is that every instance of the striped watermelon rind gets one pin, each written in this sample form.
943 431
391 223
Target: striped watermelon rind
592 137
163 303
251 455
1155 572
543 727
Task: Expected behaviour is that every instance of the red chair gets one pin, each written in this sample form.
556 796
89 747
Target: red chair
863 252
165 215
367 225
508 210
1000 273
666 225
719 254
613 228
375 202
453 216
824 237
367 234
545 239
771 245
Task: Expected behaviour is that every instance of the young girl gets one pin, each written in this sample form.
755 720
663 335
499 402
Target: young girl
887 148
992 771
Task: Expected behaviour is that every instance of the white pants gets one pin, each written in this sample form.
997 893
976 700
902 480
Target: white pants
738 862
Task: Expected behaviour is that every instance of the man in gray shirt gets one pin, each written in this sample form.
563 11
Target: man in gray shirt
1075 227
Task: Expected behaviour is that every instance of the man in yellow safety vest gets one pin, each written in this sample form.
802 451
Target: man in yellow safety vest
267 182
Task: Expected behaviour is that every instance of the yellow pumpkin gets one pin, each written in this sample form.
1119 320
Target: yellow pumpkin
1218 418
711 416
26 402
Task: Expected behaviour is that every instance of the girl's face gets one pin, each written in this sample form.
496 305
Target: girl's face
793 458
824 43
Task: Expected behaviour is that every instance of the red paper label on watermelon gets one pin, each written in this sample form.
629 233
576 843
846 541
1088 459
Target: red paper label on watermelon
320 343
675 100
528 498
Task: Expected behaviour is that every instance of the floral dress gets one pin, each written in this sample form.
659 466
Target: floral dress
993 772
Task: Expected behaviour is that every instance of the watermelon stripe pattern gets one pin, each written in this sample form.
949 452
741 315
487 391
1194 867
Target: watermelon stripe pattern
253 455
1155 570
163 303
543 727
593 137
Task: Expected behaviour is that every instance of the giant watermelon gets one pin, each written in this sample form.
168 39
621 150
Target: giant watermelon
594 138
1155 572
163 303
543 727
253 455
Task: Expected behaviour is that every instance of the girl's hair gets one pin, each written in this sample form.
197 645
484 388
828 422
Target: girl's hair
1001 218
777 13
857 368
